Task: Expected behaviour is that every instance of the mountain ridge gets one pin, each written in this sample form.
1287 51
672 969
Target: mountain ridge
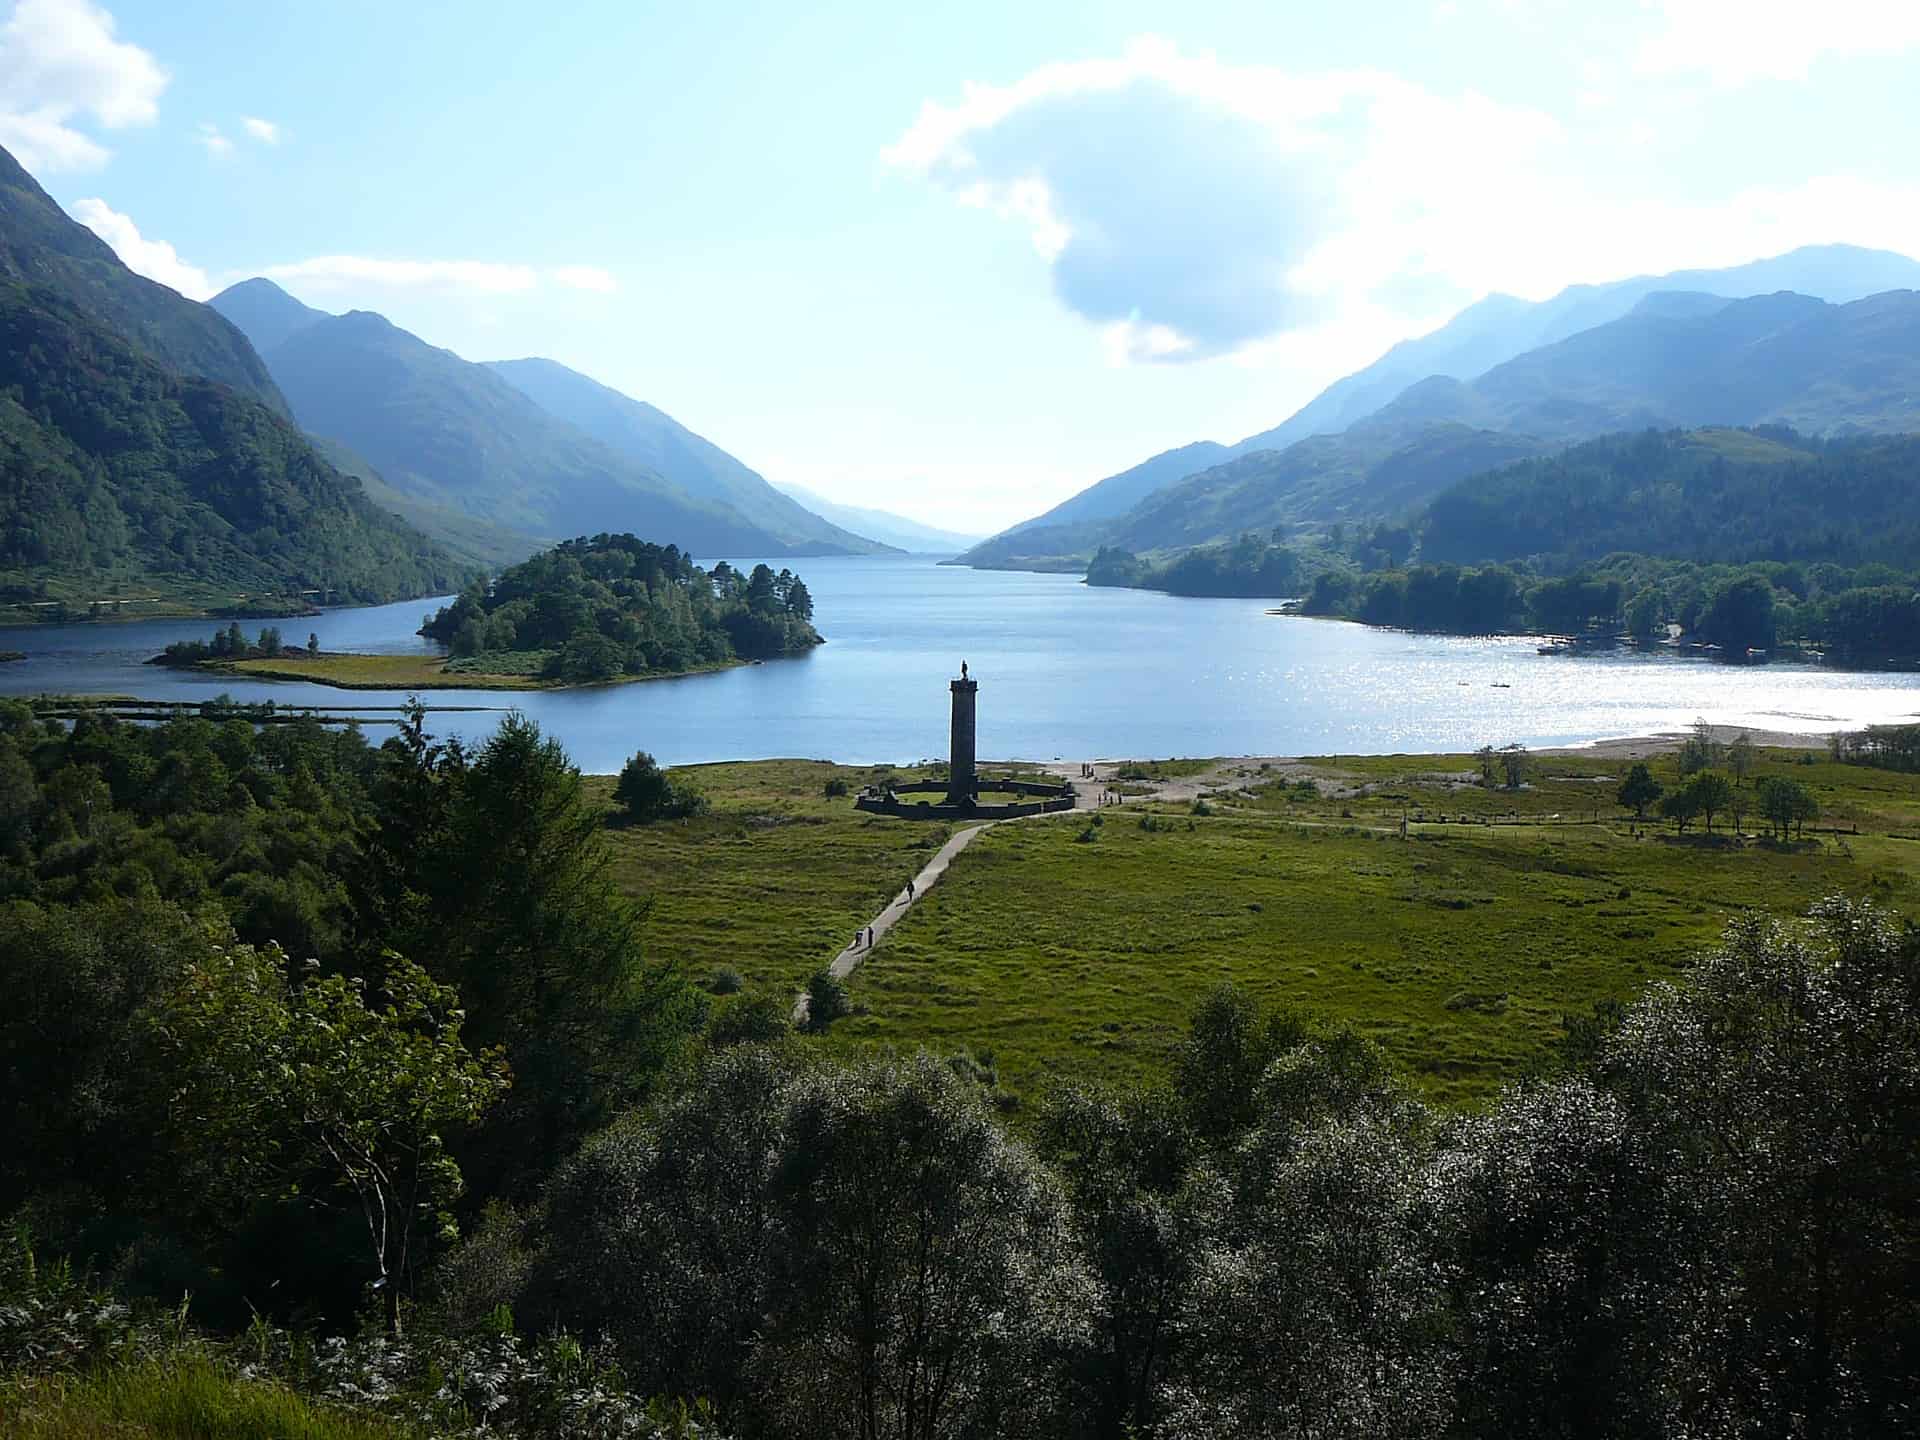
1490 332
41 245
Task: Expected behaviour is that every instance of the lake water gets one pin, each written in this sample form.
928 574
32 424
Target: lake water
1064 671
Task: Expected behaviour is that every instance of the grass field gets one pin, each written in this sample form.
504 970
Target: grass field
1459 947
776 878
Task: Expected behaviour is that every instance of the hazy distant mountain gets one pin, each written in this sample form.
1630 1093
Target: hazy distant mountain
1500 327
1678 361
455 436
40 245
266 313
883 525
1484 335
656 440
1690 360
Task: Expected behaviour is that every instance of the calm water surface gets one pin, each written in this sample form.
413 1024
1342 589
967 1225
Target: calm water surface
1064 671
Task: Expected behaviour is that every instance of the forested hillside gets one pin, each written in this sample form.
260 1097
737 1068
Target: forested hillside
600 608
41 246
1705 495
118 472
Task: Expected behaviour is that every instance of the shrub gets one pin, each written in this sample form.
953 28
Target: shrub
725 980
836 788
749 1020
826 1000
648 794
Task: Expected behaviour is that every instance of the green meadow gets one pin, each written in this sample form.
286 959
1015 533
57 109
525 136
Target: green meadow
1080 944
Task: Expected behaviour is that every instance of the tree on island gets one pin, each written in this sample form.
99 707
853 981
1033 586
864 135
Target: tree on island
1638 791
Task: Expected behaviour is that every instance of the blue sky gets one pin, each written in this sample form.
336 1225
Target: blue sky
959 261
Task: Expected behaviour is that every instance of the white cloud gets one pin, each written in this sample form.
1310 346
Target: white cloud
216 143
59 62
349 272
584 277
265 131
336 274
1733 42
1190 207
155 259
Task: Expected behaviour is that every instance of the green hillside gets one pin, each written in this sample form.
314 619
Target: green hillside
41 246
117 473
1713 496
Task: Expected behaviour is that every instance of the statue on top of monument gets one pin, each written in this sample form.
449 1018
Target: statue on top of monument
963 669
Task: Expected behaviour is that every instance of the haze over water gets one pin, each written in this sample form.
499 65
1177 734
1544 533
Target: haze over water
1064 671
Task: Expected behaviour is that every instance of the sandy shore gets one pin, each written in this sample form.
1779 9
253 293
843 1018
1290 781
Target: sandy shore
1639 747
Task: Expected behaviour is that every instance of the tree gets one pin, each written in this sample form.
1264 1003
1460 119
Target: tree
1739 615
1700 750
1489 765
1740 757
648 794
1711 794
1513 764
1218 1067
1680 806
545 953
1773 1100
1785 804
276 1074
1638 791
925 1284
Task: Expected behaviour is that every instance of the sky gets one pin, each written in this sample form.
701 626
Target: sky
959 262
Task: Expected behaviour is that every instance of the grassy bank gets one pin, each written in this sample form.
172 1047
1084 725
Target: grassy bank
401 672
1458 947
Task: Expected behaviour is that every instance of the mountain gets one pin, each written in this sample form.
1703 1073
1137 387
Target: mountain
118 473
1375 468
40 246
1693 360
1500 327
1676 361
654 439
454 436
265 313
1484 335
883 525
1710 495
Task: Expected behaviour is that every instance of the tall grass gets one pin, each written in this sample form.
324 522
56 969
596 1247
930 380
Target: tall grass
184 1396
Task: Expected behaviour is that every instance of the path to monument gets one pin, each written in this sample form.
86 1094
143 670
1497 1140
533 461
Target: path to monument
848 960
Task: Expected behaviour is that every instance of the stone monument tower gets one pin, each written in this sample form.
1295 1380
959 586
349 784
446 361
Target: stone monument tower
961 784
